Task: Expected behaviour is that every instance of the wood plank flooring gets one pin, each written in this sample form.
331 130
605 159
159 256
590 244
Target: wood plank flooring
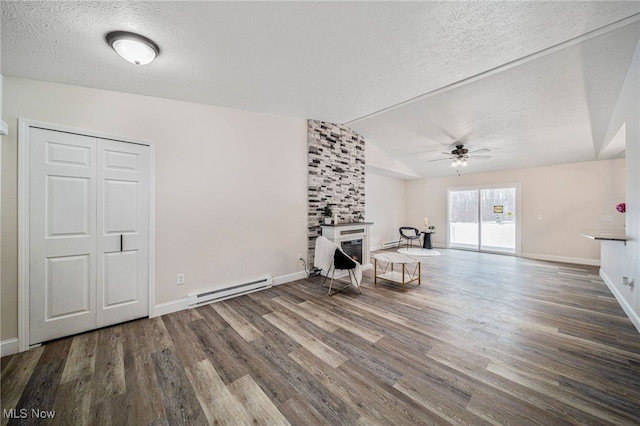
485 339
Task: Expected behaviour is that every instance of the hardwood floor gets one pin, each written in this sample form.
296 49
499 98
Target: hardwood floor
485 339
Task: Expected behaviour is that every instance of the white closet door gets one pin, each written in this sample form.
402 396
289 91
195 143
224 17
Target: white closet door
62 235
88 233
123 232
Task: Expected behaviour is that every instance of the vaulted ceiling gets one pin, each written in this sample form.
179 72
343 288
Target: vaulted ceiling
534 82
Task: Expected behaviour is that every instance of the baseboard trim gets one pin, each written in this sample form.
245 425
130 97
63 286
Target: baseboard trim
562 259
170 307
9 347
283 279
183 304
633 316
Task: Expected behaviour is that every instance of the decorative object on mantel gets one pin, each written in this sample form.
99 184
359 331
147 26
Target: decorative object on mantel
622 207
432 229
327 213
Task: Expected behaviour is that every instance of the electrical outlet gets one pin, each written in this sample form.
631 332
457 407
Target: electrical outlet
539 217
300 256
606 218
180 279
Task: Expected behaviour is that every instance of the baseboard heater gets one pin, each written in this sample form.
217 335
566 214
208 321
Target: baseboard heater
390 244
200 299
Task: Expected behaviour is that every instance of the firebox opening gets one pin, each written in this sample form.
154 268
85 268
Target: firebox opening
353 249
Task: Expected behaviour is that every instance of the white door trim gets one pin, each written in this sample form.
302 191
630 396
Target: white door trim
24 126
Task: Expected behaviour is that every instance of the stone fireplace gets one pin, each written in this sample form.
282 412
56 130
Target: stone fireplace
336 177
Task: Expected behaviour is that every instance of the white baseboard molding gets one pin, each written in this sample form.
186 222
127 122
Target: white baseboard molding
170 307
283 279
183 304
562 259
626 307
9 347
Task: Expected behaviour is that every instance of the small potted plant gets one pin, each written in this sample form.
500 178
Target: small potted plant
432 229
327 212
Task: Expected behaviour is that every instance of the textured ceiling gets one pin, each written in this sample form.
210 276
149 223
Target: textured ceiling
342 61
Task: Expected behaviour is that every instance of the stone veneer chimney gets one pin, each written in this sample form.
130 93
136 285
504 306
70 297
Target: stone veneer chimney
335 175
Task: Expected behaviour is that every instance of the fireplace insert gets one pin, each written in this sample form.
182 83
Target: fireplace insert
353 249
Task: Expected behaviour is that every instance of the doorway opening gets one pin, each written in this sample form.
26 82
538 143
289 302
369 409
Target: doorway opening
484 218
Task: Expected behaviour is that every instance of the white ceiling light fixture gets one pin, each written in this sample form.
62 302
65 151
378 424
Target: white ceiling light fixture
132 47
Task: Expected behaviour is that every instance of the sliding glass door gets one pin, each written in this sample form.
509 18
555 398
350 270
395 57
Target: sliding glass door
463 219
484 219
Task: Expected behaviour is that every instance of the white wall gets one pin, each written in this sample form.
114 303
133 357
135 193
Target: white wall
385 206
2 138
231 185
570 198
380 163
620 260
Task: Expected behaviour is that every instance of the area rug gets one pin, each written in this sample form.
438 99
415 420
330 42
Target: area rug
419 252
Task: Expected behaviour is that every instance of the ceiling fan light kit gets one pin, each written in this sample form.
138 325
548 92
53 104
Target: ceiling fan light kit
459 156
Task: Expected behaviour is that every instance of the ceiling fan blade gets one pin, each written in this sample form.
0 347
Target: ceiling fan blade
480 157
479 150
439 159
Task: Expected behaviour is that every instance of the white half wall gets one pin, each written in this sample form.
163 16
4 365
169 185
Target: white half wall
231 185
618 259
385 207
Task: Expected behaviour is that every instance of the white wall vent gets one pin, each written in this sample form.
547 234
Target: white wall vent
200 299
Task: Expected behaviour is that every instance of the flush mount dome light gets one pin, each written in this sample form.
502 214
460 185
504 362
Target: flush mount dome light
132 47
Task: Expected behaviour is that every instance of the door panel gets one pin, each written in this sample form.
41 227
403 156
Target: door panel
463 221
118 160
69 155
121 202
123 231
120 278
68 276
497 213
68 205
88 233
62 237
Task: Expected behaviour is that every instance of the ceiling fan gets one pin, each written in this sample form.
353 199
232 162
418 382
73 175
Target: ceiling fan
459 156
